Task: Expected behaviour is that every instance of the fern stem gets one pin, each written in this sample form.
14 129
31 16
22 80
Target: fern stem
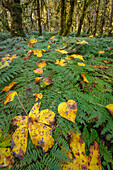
22 104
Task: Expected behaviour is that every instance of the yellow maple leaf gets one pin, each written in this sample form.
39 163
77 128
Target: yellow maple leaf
68 110
84 78
37 124
6 159
80 160
10 96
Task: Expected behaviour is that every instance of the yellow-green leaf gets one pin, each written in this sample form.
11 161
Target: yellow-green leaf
10 96
7 88
84 78
110 108
46 81
68 110
19 141
41 135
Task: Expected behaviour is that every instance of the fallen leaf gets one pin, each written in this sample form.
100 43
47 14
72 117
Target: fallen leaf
37 124
80 161
90 37
101 52
37 96
10 96
38 52
68 110
62 62
52 37
100 67
37 79
84 78
38 70
77 56
81 64
110 108
6 159
48 46
4 64
46 81
34 40
7 88
62 51
82 42
28 55
107 62
41 64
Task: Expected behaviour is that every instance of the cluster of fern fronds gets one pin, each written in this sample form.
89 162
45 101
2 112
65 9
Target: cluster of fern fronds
68 84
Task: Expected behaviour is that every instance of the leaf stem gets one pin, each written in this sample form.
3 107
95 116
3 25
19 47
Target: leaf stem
22 105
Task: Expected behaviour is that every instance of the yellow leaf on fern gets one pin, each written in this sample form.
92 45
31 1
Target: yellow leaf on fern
10 96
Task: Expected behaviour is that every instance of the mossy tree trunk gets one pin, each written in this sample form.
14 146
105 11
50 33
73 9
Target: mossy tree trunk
86 4
103 16
63 16
69 20
110 22
39 18
96 18
15 10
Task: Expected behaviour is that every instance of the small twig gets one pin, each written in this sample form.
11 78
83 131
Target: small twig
22 104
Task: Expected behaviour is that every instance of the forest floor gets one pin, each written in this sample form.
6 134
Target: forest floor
53 70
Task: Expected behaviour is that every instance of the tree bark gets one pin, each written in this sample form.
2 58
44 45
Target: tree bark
96 19
69 21
103 16
15 10
110 22
39 19
63 16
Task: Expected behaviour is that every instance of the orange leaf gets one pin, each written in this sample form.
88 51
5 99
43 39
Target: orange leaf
68 110
10 96
101 52
7 88
110 108
84 78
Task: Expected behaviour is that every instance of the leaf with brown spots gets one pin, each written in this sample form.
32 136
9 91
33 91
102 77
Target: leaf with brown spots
37 96
19 141
41 135
80 161
68 110
6 159
10 96
46 81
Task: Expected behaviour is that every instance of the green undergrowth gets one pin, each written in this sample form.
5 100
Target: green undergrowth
94 121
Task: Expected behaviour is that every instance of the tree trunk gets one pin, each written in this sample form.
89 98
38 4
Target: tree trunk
15 10
63 16
110 22
69 21
103 16
96 19
39 19
48 19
